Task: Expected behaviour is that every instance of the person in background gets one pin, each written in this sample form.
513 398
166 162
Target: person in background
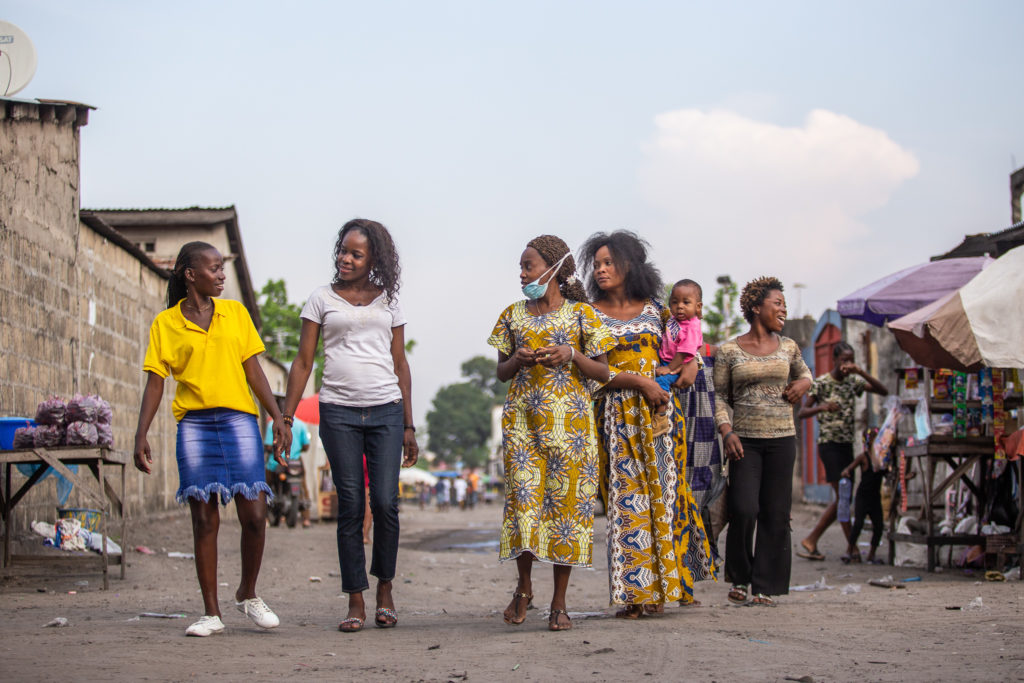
300 444
442 494
761 375
867 502
461 487
365 405
211 347
831 398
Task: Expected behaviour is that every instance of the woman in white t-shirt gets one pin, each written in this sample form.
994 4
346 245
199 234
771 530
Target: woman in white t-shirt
365 405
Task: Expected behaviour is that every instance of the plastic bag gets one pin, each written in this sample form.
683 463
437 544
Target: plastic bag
104 415
881 449
51 411
24 437
104 434
81 434
83 408
46 436
922 420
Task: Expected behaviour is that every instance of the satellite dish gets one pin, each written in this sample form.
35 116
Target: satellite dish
17 59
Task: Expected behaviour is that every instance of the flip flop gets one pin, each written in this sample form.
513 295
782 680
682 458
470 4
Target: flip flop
351 622
385 618
809 553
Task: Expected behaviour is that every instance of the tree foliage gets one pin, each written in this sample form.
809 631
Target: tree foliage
722 319
459 423
282 326
483 372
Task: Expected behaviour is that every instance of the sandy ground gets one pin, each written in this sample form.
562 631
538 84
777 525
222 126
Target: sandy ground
450 601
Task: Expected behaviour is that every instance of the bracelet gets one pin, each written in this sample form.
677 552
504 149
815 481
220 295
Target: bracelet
287 419
412 427
727 435
572 353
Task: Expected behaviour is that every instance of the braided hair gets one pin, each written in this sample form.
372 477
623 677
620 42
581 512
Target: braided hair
187 258
754 293
385 270
551 249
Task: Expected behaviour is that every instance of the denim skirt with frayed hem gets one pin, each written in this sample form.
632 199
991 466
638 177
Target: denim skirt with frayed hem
219 452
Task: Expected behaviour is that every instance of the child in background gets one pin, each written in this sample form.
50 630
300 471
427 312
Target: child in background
867 502
680 343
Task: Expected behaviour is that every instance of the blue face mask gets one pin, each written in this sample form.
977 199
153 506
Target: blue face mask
534 290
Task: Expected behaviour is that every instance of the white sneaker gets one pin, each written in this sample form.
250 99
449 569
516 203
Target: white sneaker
257 610
206 626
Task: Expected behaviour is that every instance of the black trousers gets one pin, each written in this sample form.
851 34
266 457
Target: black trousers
757 548
868 503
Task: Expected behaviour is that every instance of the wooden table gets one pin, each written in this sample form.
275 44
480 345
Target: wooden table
101 494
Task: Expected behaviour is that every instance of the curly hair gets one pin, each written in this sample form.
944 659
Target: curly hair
385 271
629 252
188 255
754 293
551 249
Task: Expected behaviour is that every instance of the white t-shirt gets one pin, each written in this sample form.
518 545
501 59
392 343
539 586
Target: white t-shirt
358 368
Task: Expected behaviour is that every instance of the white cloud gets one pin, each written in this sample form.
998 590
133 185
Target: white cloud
764 198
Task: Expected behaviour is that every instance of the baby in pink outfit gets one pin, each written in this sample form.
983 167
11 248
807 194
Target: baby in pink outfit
680 343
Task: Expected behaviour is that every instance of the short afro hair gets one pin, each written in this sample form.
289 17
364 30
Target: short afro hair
754 293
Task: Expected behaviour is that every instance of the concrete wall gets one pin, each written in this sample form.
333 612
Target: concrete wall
75 308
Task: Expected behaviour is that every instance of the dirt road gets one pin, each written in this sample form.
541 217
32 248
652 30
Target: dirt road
450 593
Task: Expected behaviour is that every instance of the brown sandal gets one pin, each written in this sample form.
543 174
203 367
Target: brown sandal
553 620
630 612
516 596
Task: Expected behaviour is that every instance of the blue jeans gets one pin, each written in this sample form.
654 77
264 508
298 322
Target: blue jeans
347 433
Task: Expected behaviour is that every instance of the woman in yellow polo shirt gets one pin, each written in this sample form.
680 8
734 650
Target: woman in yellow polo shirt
210 346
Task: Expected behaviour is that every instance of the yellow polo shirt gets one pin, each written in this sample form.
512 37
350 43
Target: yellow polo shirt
206 364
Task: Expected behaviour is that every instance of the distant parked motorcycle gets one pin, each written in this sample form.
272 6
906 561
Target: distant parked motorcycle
286 483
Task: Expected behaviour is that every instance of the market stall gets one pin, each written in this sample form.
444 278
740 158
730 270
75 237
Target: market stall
961 321
108 498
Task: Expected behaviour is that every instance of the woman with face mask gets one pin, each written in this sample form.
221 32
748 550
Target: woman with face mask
365 405
548 345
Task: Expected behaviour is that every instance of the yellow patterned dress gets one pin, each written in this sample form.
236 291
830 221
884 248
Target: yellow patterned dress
654 527
548 438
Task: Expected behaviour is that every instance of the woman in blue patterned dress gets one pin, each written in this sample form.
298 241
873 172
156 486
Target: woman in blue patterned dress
652 521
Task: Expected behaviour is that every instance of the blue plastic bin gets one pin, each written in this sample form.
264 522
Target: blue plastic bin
8 425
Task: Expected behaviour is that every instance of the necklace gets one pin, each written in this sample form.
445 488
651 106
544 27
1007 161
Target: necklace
198 310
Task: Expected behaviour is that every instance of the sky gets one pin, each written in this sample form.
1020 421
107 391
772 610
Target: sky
826 143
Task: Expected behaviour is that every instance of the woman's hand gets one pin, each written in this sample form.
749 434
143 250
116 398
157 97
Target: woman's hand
525 357
654 394
282 442
733 446
796 389
410 449
143 456
550 356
